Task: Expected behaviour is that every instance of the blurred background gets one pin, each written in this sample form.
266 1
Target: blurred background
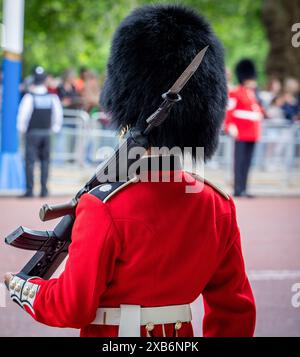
69 41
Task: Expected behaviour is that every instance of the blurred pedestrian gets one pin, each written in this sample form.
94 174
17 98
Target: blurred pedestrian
70 99
243 123
274 111
52 84
67 91
80 81
39 113
291 105
272 90
90 93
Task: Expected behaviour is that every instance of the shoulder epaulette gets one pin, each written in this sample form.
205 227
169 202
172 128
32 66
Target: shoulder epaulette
106 190
216 188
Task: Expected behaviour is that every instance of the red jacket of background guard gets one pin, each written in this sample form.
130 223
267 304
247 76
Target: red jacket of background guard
152 244
245 113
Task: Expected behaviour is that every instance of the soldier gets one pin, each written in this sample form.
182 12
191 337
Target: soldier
243 123
141 252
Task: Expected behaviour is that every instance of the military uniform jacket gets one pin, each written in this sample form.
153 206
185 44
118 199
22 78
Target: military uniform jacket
151 244
245 113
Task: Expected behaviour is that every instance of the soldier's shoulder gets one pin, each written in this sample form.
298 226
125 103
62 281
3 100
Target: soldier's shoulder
106 191
215 187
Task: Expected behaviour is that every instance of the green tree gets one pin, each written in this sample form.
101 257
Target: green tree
71 33
238 25
64 33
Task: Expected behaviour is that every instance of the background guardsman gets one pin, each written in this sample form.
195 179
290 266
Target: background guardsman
243 123
141 252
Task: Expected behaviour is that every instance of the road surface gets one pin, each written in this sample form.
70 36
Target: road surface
270 230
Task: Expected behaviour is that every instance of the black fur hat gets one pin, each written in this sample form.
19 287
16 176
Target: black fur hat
150 49
245 69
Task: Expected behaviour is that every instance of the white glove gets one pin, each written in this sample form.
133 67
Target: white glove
233 130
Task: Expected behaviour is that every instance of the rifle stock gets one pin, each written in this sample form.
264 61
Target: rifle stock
48 212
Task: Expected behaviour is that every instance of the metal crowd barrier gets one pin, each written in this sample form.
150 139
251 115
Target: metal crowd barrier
83 140
279 145
69 144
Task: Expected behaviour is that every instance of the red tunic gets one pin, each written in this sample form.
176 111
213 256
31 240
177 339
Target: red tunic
152 244
245 113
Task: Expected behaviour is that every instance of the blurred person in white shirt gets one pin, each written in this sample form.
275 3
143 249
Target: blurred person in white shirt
40 113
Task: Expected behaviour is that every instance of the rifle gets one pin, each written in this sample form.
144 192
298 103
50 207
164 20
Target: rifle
52 246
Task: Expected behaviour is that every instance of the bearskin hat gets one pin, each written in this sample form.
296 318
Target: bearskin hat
245 69
150 49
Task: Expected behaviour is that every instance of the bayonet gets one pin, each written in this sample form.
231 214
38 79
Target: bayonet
172 95
188 72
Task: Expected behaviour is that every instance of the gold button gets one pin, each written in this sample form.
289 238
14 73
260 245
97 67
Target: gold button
12 285
18 288
149 326
31 294
178 325
26 291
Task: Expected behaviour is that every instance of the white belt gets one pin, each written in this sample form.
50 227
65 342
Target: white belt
130 318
